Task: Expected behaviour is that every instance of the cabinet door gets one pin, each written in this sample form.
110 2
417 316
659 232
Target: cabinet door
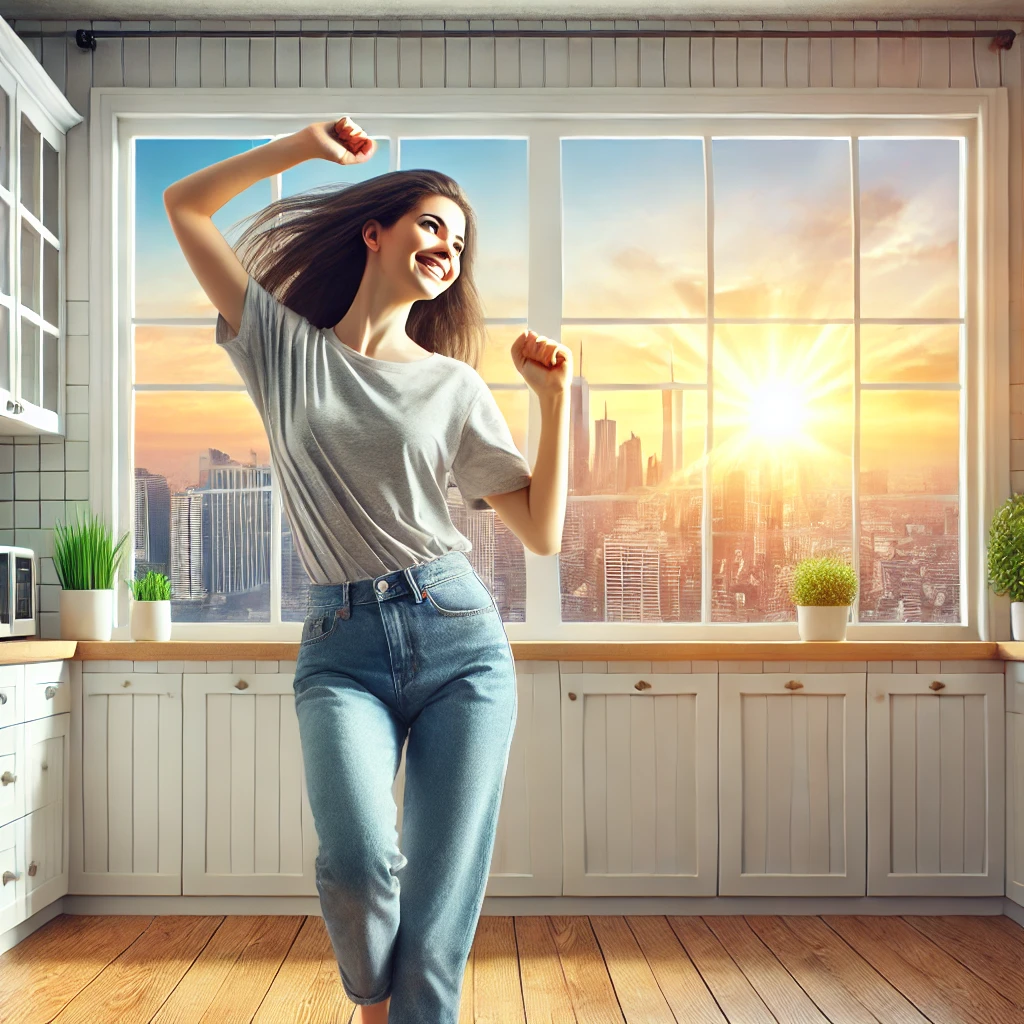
640 784
12 874
12 773
46 819
248 827
127 839
936 783
1015 807
791 784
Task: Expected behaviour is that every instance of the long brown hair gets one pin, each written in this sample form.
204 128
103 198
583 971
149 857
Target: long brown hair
308 251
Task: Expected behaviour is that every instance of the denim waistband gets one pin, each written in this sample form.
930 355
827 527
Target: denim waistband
399 583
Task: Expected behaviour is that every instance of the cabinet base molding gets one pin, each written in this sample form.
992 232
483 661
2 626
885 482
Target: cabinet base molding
532 906
1014 911
10 938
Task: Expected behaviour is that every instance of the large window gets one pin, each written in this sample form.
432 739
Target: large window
779 337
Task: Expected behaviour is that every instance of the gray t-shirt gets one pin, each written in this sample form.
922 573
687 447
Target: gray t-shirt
362 447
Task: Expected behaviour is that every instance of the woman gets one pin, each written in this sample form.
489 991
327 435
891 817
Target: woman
352 318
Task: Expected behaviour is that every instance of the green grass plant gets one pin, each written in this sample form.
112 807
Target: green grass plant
154 586
825 581
84 554
1006 549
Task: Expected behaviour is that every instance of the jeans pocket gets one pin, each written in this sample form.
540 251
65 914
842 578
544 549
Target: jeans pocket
458 596
318 626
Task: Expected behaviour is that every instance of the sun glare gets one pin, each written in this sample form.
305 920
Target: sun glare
778 411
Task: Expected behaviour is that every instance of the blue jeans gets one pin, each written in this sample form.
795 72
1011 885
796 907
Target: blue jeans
419 653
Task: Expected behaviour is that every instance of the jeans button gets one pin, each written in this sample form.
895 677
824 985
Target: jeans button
382 585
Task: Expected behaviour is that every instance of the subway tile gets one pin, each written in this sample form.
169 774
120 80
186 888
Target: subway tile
243 668
6 458
51 457
77 426
26 514
49 597
288 667
879 666
570 667
77 398
77 486
929 667
26 457
47 571
26 440
49 625
76 456
149 667
6 487
219 666
77 317
173 667
266 667
705 666
50 512
195 666
77 360
904 668
95 666
26 486
595 666
51 486
120 666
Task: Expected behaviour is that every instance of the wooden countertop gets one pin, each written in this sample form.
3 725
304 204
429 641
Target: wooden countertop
16 651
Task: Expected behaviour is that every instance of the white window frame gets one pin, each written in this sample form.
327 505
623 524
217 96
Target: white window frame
546 115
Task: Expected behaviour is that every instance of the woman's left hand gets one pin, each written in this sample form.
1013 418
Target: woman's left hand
544 364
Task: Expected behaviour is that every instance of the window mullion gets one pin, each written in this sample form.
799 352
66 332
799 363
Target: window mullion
855 470
707 509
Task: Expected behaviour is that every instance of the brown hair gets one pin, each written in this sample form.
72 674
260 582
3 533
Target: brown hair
308 251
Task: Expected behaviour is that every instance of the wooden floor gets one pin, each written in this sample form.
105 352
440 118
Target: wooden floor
555 970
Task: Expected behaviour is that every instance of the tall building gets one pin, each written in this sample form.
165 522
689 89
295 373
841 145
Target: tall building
604 455
152 522
186 562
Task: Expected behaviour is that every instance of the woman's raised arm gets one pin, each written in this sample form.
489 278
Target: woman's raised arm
192 201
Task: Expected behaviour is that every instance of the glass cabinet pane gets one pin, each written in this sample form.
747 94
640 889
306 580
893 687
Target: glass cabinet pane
51 188
51 282
5 348
29 166
4 154
50 370
29 362
29 267
5 227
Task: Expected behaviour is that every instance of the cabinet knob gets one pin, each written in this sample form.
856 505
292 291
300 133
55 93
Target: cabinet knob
3 698
127 683
50 692
794 684
8 778
33 868
642 685
572 696
11 876
242 685
936 685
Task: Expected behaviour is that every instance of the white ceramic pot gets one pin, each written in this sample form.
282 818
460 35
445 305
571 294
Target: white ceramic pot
86 614
1017 619
150 620
822 622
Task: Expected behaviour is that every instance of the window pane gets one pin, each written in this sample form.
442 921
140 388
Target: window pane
164 284
498 554
5 156
29 267
181 355
29 362
910 353
313 173
781 462
51 283
910 506
910 227
496 366
633 228
51 193
493 174
29 166
5 348
631 548
638 354
783 228
294 578
203 460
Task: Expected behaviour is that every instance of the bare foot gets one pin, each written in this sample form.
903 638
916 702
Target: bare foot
375 1013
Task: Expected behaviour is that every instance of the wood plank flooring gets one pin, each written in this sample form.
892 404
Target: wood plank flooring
533 970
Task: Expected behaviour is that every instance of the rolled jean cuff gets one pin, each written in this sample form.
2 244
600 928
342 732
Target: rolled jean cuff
366 1002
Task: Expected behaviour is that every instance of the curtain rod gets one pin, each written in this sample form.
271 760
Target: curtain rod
1001 39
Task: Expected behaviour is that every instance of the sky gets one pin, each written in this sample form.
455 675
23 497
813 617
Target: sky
635 245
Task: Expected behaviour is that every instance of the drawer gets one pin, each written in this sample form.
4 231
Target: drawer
45 761
12 791
47 693
1015 686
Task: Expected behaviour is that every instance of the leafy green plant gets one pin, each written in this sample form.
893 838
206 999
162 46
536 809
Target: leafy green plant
84 555
154 586
1006 549
825 581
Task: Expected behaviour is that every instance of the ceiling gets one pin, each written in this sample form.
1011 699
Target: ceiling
574 9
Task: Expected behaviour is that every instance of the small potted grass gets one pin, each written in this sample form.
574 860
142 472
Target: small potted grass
1006 558
823 591
86 561
150 616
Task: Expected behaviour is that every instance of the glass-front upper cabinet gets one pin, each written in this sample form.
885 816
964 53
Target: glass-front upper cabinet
34 117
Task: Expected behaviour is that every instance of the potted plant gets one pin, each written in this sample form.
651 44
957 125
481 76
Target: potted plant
150 615
1006 558
86 561
823 590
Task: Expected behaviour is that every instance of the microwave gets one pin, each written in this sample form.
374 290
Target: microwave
18 576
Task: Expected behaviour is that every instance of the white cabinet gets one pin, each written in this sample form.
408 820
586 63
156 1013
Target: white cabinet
34 117
128 836
1015 781
792 784
936 785
35 767
640 784
248 827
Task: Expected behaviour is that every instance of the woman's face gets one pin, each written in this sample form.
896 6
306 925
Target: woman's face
425 246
